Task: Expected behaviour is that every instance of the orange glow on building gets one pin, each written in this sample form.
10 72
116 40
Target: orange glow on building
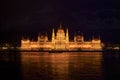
60 41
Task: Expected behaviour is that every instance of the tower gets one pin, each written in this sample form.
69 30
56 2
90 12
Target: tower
75 37
60 26
82 38
46 37
67 35
60 35
53 35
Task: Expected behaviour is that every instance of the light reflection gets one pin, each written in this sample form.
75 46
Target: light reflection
62 66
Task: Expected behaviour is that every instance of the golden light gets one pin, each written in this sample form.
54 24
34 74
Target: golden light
60 41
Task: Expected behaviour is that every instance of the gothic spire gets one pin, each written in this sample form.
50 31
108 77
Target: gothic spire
60 26
67 35
53 35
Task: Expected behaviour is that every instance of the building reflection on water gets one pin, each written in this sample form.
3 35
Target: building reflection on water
61 66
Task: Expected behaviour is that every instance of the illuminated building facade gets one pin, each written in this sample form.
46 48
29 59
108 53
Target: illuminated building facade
60 41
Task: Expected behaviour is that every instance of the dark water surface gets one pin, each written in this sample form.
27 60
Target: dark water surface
60 66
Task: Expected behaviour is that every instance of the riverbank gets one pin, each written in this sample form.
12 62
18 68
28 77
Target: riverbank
52 51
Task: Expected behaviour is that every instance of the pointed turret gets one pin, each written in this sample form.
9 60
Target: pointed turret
67 35
75 37
46 37
99 37
92 37
82 38
60 26
53 35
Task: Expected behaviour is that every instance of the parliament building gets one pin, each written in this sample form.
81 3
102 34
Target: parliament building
60 41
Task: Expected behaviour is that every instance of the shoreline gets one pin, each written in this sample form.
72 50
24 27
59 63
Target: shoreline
50 51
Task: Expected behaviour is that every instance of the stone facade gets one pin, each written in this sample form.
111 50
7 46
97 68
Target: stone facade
60 41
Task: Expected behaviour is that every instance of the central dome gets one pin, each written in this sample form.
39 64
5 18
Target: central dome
60 30
60 34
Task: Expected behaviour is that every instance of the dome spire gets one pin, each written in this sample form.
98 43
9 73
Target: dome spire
60 26
67 35
53 35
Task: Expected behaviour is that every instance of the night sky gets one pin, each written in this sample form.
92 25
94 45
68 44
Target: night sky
29 17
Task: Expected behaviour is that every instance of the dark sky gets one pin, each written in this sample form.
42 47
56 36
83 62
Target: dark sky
28 17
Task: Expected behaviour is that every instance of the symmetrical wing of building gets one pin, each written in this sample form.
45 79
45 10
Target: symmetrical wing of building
60 41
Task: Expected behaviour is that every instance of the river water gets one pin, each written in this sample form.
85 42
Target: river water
59 66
